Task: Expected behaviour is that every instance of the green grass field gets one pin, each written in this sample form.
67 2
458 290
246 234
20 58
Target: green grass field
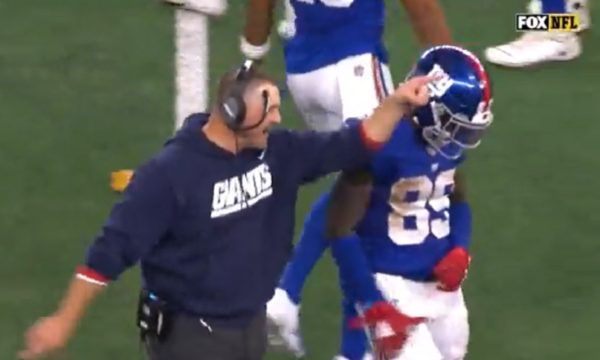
86 87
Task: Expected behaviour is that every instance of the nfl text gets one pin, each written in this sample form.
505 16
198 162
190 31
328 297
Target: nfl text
546 22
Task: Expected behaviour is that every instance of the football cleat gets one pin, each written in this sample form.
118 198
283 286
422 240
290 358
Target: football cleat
579 7
283 324
534 48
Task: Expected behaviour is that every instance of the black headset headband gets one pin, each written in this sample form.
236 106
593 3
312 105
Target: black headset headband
233 107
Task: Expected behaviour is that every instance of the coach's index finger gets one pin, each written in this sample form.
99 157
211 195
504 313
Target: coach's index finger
423 80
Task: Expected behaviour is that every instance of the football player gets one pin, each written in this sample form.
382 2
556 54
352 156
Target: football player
404 235
538 47
335 59
336 68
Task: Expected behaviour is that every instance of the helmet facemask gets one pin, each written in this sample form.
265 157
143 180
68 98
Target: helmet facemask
452 133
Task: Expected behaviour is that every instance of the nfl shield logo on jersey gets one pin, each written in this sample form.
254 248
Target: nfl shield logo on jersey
359 70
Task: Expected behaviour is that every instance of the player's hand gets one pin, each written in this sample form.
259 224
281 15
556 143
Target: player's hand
388 327
46 336
413 93
452 269
286 29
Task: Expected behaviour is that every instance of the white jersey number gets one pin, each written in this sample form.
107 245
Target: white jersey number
409 222
330 3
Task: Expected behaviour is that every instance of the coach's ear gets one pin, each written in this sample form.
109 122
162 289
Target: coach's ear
349 199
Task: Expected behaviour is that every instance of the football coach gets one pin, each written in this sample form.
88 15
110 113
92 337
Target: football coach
211 219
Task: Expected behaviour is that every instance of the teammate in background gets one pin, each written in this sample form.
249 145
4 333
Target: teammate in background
411 218
538 47
336 65
336 61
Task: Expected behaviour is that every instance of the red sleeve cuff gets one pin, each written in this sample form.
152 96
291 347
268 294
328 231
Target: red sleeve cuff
371 144
90 275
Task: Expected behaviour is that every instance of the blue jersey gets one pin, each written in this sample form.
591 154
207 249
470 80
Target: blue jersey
328 31
406 226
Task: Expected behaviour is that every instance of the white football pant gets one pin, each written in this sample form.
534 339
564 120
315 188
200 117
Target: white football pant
351 88
445 333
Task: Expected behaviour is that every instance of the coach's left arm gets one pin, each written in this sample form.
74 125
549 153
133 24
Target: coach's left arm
428 22
316 154
313 154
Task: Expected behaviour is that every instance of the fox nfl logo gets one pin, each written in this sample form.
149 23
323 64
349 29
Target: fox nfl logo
547 22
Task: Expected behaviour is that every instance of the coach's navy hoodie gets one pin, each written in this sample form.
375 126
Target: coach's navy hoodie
213 230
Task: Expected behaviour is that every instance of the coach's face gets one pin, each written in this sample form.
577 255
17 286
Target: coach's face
262 113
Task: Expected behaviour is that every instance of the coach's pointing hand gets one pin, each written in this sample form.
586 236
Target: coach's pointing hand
413 93
409 95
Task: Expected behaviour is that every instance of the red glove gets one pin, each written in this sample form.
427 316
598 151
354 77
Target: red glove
452 269
388 327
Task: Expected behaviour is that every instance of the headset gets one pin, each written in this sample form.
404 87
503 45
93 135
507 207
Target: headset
233 106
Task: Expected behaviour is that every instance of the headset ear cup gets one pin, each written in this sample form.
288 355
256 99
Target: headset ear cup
234 111
241 115
233 107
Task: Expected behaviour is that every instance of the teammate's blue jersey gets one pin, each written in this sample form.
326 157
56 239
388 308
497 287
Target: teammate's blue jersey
406 226
328 31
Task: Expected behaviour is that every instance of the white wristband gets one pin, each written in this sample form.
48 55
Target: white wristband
254 52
